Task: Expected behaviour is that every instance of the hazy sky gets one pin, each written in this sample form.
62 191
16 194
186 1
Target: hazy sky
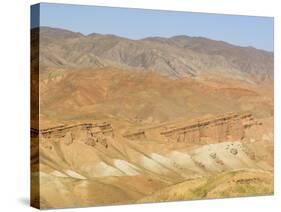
140 23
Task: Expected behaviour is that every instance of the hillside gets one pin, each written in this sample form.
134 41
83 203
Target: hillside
146 96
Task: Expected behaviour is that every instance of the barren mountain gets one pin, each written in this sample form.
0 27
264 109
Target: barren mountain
175 57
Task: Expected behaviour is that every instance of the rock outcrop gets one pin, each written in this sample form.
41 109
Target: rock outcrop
201 131
87 133
220 128
230 126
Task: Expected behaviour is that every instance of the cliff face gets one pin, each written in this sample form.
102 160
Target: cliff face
219 129
229 126
86 133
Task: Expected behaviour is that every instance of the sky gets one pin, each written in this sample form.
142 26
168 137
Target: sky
140 23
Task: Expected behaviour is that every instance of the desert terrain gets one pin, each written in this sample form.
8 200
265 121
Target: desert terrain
119 121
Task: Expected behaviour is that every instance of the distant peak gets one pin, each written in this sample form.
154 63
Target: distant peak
47 28
107 36
180 37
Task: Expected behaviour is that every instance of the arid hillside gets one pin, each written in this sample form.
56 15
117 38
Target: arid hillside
96 164
144 97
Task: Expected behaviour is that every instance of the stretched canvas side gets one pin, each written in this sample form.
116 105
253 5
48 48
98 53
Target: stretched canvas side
34 113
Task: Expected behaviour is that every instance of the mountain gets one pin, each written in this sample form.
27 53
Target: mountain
175 57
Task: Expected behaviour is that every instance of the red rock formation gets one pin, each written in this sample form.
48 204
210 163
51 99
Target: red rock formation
220 128
87 133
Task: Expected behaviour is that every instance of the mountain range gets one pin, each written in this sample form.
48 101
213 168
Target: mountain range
175 57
